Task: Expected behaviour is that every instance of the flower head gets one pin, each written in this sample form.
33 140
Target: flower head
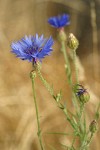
93 126
59 21
81 93
72 42
32 48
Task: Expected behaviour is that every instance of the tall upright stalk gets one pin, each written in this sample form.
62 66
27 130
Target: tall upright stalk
67 65
68 72
33 75
94 41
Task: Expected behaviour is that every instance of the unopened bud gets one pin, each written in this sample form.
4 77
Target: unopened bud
72 42
93 126
58 96
32 74
81 93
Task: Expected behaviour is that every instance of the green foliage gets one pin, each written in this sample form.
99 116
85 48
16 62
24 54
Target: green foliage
80 97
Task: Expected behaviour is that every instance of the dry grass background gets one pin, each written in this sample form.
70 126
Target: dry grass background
18 130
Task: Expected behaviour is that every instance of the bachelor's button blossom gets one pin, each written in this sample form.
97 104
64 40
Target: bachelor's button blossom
32 48
59 21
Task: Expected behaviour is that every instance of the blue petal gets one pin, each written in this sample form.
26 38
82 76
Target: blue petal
32 47
38 41
46 49
59 21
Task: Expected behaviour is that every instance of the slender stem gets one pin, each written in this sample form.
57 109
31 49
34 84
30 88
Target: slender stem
80 122
81 112
49 88
68 72
85 146
89 141
95 40
67 66
97 114
33 75
74 139
75 64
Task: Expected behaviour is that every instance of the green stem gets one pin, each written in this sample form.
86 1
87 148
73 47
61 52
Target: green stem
68 72
49 88
86 144
89 141
72 146
75 64
67 65
33 75
81 112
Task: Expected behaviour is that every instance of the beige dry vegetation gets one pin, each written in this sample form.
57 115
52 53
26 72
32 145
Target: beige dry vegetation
18 128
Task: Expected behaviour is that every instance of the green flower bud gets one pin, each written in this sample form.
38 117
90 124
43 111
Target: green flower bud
93 126
32 74
84 98
81 93
72 42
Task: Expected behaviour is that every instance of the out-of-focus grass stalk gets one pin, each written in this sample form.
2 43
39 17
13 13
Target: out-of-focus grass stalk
97 114
95 41
33 76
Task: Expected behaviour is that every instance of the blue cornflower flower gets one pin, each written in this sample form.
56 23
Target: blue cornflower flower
32 48
59 21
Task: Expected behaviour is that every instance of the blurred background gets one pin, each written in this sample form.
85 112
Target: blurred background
18 128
